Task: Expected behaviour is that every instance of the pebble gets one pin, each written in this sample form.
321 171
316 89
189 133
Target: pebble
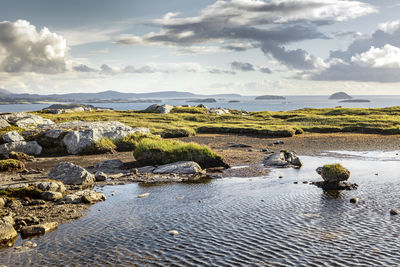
173 232
143 195
280 176
306 182
354 200
394 212
296 182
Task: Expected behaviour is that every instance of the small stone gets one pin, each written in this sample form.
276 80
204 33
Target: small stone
38 229
354 200
305 182
173 232
51 196
296 182
100 176
143 195
394 212
280 176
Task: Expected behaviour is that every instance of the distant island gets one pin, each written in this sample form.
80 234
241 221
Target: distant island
340 95
202 100
355 101
270 97
234 101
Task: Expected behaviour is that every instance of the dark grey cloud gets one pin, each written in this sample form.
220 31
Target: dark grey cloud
242 66
83 68
265 70
267 24
24 49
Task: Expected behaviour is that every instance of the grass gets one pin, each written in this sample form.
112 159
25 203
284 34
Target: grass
129 142
9 165
157 152
27 191
267 123
102 146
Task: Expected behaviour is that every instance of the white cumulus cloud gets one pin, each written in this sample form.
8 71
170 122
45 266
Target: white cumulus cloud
385 57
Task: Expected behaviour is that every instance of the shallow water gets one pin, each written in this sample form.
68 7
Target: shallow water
234 222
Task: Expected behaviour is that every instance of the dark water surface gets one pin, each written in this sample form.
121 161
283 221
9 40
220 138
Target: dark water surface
264 221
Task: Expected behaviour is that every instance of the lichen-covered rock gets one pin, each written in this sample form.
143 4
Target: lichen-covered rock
30 148
334 173
4 123
71 174
8 235
84 196
86 133
181 167
220 111
162 109
25 120
51 186
51 196
13 136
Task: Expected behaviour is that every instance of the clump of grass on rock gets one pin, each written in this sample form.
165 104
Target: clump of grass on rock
129 142
156 152
10 165
334 172
178 132
102 146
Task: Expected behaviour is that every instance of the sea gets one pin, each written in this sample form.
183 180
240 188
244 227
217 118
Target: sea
246 103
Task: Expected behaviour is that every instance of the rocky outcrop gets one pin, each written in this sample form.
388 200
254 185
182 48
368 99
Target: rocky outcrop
283 159
89 132
4 123
25 120
181 167
30 148
335 177
8 235
85 196
51 186
13 136
67 108
162 109
71 174
220 111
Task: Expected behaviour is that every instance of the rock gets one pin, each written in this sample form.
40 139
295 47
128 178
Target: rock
146 169
84 196
143 195
173 232
21 156
13 136
71 174
86 133
394 212
283 159
30 148
8 235
2 202
30 244
162 109
220 111
100 176
202 106
51 196
39 229
4 123
334 173
54 133
278 142
354 200
25 120
342 185
239 145
51 186
110 164
181 167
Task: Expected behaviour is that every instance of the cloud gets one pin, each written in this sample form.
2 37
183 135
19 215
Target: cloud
83 68
24 49
245 67
369 58
270 25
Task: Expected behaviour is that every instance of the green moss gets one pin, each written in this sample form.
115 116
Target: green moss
193 110
129 142
19 156
9 165
156 152
178 132
102 146
335 171
28 191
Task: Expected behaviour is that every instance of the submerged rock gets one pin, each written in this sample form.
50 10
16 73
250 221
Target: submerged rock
71 174
181 167
39 229
283 159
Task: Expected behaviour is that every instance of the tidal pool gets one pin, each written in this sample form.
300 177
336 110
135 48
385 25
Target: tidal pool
259 221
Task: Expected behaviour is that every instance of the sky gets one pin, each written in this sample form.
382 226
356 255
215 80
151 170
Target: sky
249 47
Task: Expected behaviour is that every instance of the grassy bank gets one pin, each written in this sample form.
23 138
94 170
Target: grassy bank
332 120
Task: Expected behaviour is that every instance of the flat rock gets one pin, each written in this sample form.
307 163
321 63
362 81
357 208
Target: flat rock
71 174
110 164
181 167
30 148
13 136
25 120
84 196
283 160
39 229
51 196
146 169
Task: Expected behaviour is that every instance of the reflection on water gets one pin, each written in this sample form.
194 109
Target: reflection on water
234 221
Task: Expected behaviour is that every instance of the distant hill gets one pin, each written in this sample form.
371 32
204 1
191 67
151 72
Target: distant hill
4 92
340 95
106 95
